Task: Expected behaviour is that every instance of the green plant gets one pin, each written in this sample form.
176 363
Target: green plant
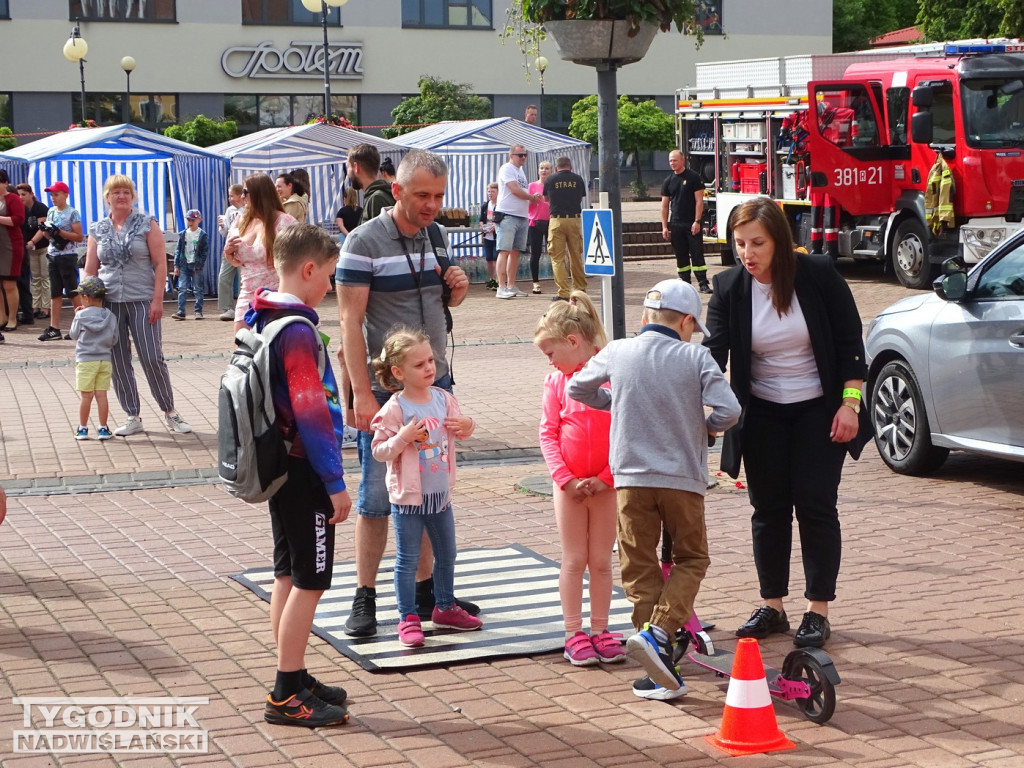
439 100
639 190
643 126
525 17
7 140
202 131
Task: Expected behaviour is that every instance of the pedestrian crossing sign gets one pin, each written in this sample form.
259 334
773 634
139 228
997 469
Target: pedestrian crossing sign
598 257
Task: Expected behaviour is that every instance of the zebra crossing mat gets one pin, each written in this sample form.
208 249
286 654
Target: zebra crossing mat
516 589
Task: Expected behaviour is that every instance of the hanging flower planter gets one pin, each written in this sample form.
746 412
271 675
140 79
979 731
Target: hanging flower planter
600 42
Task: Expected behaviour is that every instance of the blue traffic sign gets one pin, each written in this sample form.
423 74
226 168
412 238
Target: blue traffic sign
598 256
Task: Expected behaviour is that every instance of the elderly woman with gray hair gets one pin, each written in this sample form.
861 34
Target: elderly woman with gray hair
126 249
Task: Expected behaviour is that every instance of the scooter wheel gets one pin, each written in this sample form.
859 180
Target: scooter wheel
821 704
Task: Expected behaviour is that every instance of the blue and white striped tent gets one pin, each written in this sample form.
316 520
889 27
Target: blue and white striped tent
321 150
170 176
476 149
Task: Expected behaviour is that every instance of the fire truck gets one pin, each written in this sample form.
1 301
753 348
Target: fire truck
904 157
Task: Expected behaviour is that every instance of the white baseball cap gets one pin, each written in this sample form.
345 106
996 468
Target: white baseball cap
678 296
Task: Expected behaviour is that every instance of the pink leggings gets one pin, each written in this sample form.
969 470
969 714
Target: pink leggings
587 532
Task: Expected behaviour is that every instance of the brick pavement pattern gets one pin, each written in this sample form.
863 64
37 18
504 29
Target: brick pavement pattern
115 558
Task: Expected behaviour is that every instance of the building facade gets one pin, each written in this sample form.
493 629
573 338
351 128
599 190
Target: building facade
259 61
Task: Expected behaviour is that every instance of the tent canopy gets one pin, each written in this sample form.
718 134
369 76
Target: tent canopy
170 176
476 149
321 149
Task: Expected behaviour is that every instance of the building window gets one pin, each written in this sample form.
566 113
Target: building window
121 10
5 11
709 17
5 109
154 111
285 12
255 112
474 14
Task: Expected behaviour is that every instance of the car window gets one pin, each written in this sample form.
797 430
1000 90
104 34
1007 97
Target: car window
1005 278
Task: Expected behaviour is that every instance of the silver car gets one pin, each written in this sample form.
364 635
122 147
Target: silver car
946 370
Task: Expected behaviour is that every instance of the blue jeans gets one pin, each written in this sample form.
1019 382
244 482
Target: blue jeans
408 535
190 279
373 498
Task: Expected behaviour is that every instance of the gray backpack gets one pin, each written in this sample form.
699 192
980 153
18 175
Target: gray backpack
252 452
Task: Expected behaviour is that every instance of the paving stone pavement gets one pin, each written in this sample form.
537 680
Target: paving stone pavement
115 562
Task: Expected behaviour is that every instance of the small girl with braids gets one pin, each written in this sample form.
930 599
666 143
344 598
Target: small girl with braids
574 441
414 434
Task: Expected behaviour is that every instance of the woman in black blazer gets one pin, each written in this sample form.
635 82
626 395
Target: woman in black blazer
789 329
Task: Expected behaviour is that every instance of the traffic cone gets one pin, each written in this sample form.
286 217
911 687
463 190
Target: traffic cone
748 722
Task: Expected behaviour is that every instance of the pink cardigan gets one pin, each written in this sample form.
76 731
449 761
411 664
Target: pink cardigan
403 475
574 438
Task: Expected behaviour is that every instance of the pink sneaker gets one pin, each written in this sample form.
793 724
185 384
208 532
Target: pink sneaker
455 618
580 651
608 646
410 633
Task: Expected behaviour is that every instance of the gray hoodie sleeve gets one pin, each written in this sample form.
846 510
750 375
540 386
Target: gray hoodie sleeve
717 395
586 385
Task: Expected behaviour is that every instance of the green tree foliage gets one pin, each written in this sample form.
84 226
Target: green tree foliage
7 140
855 23
439 100
643 126
202 131
957 20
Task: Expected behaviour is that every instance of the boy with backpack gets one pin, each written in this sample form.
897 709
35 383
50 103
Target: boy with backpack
312 499
660 386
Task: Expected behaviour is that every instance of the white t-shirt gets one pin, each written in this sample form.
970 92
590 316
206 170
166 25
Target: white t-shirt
782 366
507 202
191 239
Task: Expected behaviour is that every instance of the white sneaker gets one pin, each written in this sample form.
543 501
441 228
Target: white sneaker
227 314
504 293
176 423
130 427
349 436
516 292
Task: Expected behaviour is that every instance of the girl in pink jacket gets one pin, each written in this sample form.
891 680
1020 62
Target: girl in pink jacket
574 441
415 434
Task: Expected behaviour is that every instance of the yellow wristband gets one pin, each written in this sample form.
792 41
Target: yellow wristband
851 392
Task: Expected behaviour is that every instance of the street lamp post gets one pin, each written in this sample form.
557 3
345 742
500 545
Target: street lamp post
128 65
314 6
541 63
75 49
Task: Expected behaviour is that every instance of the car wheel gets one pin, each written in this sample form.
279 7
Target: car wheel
910 255
900 423
728 251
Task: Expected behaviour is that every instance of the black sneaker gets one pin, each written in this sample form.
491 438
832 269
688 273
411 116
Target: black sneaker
763 622
425 601
304 709
178 316
704 287
656 657
813 632
646 688
362 622
50 334
1 338
329 694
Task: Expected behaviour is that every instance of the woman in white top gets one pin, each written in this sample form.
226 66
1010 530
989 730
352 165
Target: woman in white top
789 329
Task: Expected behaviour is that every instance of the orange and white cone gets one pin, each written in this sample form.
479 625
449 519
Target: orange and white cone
748 722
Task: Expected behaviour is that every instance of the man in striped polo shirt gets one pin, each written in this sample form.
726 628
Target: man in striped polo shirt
388 275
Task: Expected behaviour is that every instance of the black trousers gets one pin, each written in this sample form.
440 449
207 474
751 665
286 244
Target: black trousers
793 465
537 232
25 289
689 250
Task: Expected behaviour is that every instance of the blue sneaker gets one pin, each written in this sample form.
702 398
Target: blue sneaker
655 657
646 688
104 433
82 433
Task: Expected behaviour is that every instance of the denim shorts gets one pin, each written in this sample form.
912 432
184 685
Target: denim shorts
373 500
512 232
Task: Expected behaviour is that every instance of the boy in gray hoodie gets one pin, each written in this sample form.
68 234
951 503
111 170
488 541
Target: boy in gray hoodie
95 331
660 386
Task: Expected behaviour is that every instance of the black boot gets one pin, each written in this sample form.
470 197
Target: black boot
362 622
705 287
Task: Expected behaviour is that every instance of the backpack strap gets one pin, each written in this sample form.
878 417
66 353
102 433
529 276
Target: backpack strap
274 327
441 255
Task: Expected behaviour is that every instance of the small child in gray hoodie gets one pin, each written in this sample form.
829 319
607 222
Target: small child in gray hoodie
95 332
660 386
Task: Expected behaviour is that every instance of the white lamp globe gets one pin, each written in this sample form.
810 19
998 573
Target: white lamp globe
128 64
75 49
541 63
